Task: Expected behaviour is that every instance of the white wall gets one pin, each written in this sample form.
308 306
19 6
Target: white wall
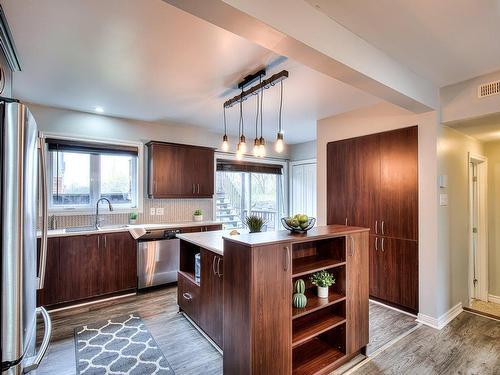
454 149
460 101
302 151
75 123
382 117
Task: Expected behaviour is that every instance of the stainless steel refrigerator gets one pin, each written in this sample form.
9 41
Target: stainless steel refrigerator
23 192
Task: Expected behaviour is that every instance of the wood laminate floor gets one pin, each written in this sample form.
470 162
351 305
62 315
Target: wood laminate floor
470 344
490 308
185 348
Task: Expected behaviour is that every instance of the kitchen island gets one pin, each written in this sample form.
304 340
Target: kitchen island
243 298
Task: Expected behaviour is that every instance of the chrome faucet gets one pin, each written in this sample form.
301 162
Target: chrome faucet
97 225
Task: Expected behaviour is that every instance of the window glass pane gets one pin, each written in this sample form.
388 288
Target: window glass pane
118 178
240 194
70 179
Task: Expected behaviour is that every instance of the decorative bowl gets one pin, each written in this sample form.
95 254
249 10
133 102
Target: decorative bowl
310 224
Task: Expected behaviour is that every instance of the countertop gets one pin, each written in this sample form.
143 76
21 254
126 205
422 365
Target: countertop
127 228
214 241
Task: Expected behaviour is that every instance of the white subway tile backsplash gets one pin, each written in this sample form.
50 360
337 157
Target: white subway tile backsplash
165 211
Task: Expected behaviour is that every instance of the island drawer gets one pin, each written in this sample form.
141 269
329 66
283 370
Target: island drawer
188 296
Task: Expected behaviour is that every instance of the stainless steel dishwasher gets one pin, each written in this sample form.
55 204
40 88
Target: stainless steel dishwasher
157 258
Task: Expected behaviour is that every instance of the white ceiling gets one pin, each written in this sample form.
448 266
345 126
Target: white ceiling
446 41
150 61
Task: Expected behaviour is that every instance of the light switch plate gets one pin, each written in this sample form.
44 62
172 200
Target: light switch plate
443 199
160 211
152 211
443 181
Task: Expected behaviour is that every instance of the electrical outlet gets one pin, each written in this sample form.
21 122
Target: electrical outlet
152 211
159 211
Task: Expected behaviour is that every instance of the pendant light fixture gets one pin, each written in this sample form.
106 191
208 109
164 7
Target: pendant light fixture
262 141
279 145
242 146
259 144
225 142
256 141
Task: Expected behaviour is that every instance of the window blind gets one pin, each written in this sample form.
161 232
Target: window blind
245 166
68 145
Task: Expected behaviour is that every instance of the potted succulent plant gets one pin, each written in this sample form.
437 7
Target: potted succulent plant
254 223
132 217
198 215
322 280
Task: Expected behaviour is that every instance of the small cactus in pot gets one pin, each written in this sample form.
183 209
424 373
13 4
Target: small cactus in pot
299 298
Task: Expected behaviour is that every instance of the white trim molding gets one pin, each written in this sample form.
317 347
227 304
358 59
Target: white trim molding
443 320
494 299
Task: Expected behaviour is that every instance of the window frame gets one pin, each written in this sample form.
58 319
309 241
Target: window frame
95 178
284 202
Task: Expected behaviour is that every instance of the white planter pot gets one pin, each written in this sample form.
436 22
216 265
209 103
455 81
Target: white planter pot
197 217
132 221
322 291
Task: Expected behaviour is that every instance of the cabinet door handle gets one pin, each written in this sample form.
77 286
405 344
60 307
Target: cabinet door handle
383 244
198 188
213 266
352 245
376 243
287 258
218 267
187 296
192 186
346 222
105 245
376 226
383 227
98 242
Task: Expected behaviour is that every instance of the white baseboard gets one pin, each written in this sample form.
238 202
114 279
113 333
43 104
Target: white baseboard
443 320
492 298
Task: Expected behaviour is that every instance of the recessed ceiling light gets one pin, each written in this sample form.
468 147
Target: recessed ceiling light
99 109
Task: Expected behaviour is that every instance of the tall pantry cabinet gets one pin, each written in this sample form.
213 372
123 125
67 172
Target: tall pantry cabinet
372 181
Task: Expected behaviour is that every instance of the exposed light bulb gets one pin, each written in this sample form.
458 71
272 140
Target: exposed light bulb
243 145
239 154
279 145
262 147
225 143
256 147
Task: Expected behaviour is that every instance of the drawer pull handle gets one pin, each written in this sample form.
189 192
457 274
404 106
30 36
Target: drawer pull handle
187 296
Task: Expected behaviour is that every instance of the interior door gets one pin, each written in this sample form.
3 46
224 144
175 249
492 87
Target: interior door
399 183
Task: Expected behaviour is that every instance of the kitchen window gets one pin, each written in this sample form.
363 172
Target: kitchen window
82 172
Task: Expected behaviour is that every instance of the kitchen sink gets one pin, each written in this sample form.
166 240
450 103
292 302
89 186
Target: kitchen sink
80 229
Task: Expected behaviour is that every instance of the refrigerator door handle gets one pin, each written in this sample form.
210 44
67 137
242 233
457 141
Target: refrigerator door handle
45 220
45 342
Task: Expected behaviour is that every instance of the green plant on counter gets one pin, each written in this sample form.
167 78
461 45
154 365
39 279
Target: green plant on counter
254 223
133 216
322 279
299 298
198 213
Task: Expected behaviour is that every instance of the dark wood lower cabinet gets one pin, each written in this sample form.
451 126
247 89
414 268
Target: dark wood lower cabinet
87 266
212 294
394 271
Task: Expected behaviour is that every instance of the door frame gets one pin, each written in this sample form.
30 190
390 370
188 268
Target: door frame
481 290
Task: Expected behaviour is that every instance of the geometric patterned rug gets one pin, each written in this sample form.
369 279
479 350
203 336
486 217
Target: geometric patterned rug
119 346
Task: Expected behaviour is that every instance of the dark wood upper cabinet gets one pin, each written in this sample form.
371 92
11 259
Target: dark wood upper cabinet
372 182
180 171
